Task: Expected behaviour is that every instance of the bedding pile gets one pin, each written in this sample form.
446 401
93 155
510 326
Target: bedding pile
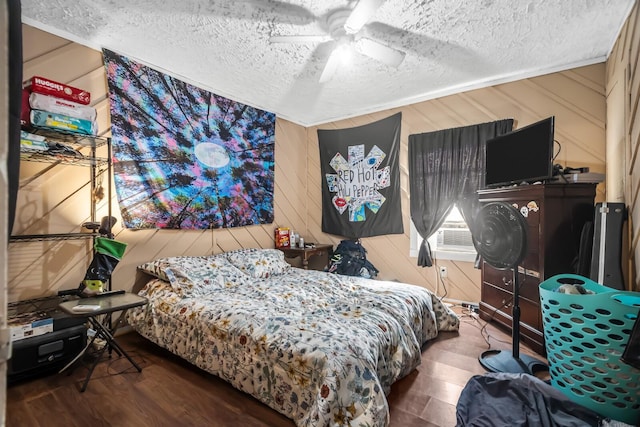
323 349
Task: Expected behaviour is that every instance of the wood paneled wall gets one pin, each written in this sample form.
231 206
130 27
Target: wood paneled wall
576 97
58 201
623 133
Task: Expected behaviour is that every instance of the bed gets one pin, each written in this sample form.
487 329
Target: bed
321 348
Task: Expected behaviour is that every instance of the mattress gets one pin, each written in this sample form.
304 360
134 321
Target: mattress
321 348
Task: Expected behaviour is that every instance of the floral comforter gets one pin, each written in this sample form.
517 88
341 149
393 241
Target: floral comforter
321 348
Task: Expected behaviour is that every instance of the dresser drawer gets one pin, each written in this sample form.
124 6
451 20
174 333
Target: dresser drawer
499 298
503 279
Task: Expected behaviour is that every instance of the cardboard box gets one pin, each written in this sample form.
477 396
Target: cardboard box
51 87
62 122
27 325
32 142
283 238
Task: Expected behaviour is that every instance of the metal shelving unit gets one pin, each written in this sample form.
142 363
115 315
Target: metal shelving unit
69 149
51 349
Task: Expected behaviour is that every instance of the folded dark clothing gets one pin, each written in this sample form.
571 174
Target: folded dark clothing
519 400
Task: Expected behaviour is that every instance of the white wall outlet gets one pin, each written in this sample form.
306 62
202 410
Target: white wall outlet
443 271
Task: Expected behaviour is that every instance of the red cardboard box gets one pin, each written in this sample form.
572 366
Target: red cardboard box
283 239
49 87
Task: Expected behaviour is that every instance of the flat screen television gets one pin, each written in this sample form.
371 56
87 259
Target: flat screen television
523 155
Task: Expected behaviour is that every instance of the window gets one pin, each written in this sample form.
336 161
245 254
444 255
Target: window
452 241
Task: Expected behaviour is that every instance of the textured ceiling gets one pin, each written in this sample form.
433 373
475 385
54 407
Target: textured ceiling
450 45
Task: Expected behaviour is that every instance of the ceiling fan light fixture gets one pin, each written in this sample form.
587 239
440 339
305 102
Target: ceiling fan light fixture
342 26
344 53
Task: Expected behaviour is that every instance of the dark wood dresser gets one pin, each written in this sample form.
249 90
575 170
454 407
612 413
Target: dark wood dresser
555 215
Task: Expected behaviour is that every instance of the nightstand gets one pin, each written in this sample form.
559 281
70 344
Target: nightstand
308 252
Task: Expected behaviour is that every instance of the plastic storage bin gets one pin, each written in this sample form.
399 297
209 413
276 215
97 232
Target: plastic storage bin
585 336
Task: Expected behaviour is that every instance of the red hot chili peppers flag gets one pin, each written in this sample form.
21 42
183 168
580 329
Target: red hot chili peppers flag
361 192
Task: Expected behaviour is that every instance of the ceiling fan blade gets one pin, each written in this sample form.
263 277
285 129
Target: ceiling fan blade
299 39
380 52
331 66
447 52
361 14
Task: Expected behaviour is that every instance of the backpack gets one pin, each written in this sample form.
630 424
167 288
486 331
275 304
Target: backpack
350 259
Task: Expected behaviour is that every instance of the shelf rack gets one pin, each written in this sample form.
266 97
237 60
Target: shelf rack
69 152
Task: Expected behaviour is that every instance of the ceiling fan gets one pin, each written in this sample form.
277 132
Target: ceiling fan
343 30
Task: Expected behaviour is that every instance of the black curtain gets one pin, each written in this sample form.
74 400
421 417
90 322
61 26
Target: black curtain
447 167
15 98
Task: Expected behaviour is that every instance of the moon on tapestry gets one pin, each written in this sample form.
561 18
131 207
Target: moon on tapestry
212 155
185 158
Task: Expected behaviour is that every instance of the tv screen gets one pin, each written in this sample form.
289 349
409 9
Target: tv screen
524 155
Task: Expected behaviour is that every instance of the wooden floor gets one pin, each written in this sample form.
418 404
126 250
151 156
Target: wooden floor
171 392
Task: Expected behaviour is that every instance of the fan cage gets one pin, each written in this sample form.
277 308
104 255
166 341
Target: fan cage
585 337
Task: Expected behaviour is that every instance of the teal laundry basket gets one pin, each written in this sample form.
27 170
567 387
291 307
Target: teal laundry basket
585 336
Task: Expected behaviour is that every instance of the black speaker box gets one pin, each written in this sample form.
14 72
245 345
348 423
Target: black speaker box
606 257
45 353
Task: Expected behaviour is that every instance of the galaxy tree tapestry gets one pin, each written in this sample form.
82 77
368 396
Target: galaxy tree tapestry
185 158
361 188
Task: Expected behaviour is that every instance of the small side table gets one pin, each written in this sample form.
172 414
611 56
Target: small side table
108 304
308 252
